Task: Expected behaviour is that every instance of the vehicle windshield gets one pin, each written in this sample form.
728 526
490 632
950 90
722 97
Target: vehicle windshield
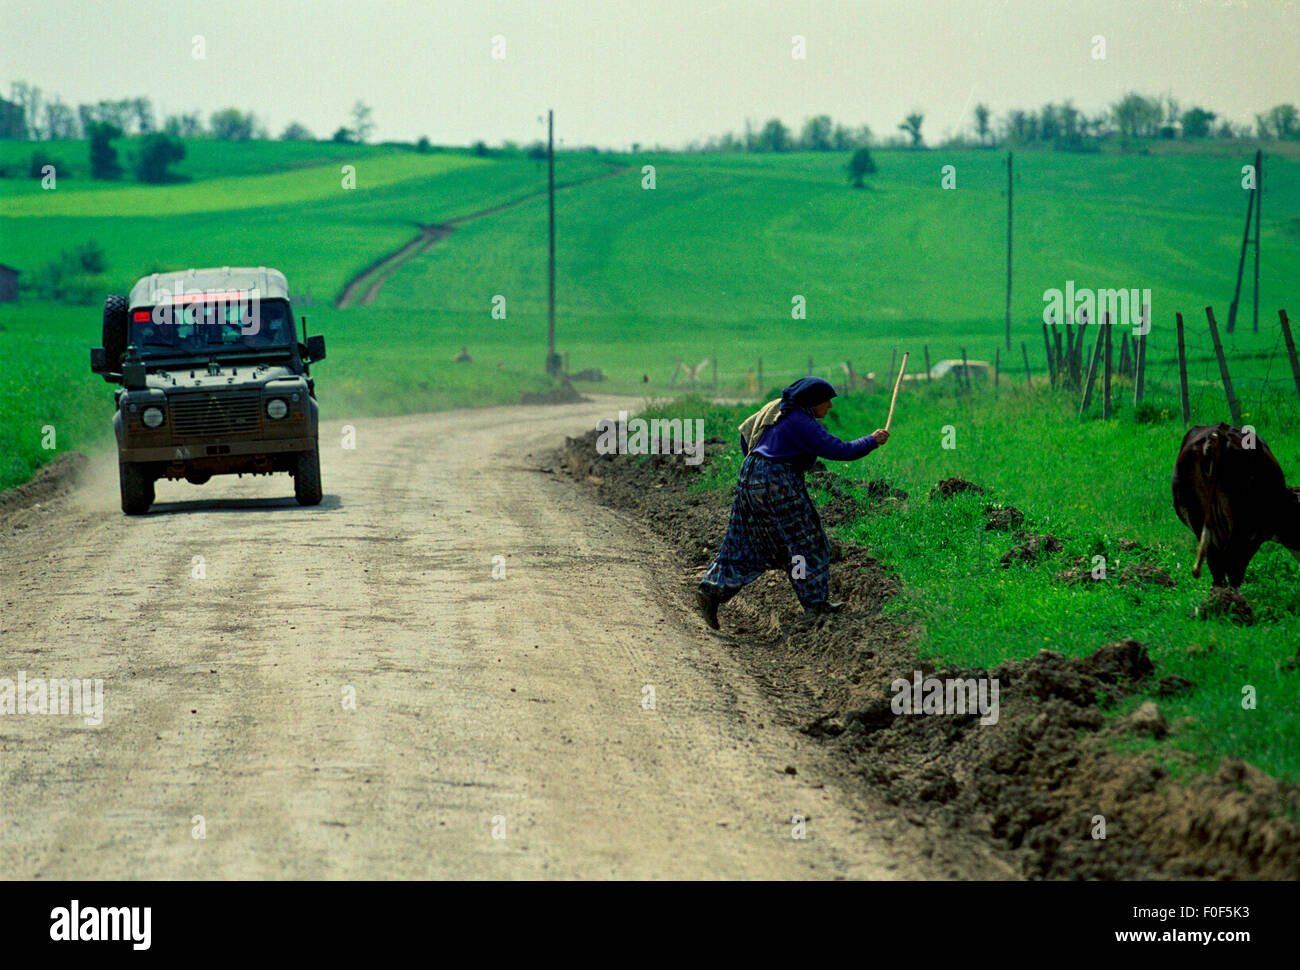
214 326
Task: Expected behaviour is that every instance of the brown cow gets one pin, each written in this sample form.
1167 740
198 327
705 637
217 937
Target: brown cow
1230 491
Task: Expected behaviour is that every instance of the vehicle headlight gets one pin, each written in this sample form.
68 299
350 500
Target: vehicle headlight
276 408
152 417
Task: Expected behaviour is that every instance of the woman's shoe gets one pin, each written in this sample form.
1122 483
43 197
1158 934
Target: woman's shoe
708 604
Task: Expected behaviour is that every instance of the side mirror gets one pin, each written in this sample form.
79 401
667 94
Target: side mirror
316 347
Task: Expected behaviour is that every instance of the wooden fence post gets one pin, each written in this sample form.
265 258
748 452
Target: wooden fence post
1105 388
1139 380
1060 357
1024 349
1093 360
1182 373
1234 410
1125 359
928 378
997 366
1290 349
1051 367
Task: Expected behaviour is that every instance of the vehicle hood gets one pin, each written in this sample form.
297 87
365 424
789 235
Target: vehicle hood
228 376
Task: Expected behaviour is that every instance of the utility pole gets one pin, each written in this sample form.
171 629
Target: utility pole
552 359
1259 201
1009 154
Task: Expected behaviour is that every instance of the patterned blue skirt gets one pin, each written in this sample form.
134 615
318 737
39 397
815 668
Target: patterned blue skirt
773 526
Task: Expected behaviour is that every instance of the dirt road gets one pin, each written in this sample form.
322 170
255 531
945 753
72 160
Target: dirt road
500 726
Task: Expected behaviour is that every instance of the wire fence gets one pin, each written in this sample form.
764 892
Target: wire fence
1261 370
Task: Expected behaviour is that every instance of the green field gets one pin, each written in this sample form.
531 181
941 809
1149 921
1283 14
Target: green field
705 266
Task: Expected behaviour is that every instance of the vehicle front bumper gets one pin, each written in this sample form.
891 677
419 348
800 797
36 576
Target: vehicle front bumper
215 449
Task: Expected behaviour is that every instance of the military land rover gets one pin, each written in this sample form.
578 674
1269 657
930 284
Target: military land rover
213 381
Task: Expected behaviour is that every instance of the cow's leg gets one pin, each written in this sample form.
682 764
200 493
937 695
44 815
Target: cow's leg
1218 562
1239 556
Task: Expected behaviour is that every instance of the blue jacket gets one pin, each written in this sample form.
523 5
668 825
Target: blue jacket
800 439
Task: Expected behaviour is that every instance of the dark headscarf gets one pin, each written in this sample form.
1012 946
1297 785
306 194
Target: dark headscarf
806 392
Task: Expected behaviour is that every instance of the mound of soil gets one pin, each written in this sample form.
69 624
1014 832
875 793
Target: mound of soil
1080 573
1225 603
1002 518
1032 547
1041 786
20 503
565 393
846 500
953 486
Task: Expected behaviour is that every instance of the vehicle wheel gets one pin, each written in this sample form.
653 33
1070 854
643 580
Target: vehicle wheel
137 488
306 478
114 330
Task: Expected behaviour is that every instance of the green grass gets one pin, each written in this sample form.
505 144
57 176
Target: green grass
1088 484
706 265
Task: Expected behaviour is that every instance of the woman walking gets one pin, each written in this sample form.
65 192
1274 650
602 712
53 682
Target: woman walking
773 522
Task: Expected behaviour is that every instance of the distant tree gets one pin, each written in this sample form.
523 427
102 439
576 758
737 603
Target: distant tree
480 149
60 120
775 137
157 151
183 125
90 257
103 156
343 136
422 146
362 126
860 166
29 98
817 134
911 126
1136 116
13 124
1281 122
296 132
120 114
982 122
231 124
536 151
40 159
1196 122
143 109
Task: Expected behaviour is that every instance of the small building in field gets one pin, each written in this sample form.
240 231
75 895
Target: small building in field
8 284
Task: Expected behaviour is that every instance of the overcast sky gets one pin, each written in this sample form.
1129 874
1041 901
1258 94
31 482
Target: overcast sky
623 71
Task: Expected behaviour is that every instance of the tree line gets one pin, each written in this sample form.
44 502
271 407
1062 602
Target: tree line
1059 126
28 114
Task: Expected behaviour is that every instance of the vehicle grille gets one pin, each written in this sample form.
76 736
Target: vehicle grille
212 413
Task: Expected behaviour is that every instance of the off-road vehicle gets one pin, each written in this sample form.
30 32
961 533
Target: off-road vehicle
214 381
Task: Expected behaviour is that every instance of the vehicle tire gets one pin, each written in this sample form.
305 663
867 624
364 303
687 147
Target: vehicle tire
114 330
306 478
137 488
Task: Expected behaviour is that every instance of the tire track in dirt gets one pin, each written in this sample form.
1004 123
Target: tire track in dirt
364 287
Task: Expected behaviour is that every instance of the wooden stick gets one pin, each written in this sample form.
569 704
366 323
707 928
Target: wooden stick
897 384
